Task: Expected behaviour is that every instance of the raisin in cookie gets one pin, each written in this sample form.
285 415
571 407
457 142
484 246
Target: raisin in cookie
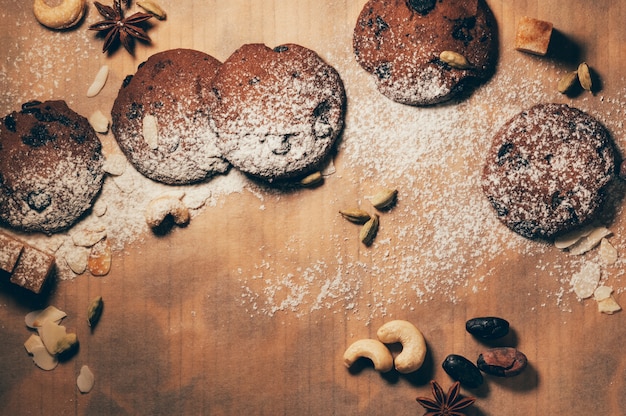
50 167
161 118
400 43
278 111
547 170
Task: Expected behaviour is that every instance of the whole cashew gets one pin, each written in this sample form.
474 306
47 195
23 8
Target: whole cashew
413 351
63 16
161 207
372 349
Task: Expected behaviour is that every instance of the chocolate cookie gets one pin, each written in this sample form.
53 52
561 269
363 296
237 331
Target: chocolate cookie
278 111
161 118
547 170
50 167
400 43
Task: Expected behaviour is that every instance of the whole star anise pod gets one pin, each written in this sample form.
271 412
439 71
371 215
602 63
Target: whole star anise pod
449 404
117 27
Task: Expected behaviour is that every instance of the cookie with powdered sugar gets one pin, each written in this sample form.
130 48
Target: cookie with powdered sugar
277 112
548 169
161 118
400 43
50 167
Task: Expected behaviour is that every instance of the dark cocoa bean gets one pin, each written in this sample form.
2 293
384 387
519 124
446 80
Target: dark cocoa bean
488 327
502 362
462 370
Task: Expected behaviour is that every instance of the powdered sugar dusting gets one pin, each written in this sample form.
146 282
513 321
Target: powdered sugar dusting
443 237
442 240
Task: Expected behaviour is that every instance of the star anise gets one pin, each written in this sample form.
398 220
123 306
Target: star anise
117 27
449 404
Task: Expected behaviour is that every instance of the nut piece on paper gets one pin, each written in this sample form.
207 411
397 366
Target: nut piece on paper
533 36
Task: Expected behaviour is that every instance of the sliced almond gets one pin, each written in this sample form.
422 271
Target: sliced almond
115 164
77 259
454 59
609 306
43 359
150 129
85 380
589 242
55 337
607 252
586 280
35 319
99 262
567 240
99 122
32 342
89 236
602 292
99 81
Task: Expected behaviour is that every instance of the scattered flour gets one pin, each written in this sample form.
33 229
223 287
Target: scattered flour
442 243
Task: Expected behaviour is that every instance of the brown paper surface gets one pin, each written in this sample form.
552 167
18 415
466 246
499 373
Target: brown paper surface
248 309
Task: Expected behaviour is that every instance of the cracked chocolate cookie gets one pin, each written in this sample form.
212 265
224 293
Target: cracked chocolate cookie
400 43
50 167
161 118
277 112
547 170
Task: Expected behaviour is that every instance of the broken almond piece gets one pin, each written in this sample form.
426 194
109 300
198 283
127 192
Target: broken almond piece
99 122
88 237
586 280
589 242
607 252
77 259
114 164
10 250
32 342
602 292
99 261
533 36
85 380
150 131
43 359
609 306
55 338
35 319
569 239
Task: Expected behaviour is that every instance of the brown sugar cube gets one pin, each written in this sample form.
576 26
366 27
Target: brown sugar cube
533 36
10 250
32 269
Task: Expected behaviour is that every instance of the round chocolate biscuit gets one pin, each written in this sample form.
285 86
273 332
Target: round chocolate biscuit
400 43
547 170
50 167
161 118
277 112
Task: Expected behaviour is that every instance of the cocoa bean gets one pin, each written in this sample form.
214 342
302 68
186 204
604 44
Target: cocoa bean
462 370
502 362
488 327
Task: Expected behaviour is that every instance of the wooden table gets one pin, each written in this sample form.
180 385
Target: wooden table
249 308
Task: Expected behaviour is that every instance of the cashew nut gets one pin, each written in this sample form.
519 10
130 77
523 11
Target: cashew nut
63 16
413 351
167 205
375 350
